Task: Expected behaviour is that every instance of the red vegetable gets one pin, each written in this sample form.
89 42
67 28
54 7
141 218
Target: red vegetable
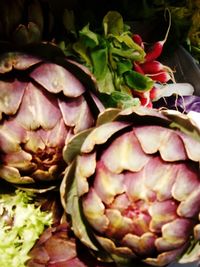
152 93
138 40
152 67
155 51
157 47
137 67
162 77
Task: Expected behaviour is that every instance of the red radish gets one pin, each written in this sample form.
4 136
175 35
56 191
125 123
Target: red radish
138 40
157 47
162 77
153 93
155 51
137 67
152 67
146 102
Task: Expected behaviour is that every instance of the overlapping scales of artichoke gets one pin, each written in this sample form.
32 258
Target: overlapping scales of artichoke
42 104
57 247
134 185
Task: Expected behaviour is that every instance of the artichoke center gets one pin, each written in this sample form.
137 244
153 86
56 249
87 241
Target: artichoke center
45 158
135 209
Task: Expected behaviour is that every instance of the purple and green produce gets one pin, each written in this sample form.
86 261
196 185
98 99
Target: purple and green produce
99 144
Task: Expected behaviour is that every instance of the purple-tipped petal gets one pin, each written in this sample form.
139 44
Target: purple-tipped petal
76 113
20 160
86 165
43 175
135 187
160 177
190 207
186 182
160 139
56 79
108 184
174 234
11 94
34 141
140 219
11 136
192 147
165 258
120 202
11 174
119 225
101 134
142 245
125 153
54 137
94 211
38 109
17 61
60 249
162 213
172 148
110 247
156 134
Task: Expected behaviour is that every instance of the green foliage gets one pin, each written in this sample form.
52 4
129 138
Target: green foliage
21 223
109 53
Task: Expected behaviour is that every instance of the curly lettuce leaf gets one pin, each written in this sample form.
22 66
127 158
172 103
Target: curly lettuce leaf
21 224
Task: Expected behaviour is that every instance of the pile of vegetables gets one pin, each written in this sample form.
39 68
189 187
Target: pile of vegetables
125 67
99 147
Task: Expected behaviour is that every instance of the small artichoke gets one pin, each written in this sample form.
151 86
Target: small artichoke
133 186
25 22
57 247
42 104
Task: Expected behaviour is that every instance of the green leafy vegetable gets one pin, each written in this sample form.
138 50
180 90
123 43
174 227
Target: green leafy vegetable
110 53
21 224
138 81
120 99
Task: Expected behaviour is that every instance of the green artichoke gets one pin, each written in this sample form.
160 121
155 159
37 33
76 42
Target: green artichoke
25 22
42 104
133 186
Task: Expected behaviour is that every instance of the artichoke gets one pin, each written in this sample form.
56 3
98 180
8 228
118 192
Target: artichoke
25 22
133 186
57 247
42 104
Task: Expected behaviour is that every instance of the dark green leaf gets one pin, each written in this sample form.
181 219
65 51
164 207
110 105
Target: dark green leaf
138 81
89 38
100 62
124 100
124 66
69 21
80 48
119 99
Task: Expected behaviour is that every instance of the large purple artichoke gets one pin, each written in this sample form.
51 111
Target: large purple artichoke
42 105
133 187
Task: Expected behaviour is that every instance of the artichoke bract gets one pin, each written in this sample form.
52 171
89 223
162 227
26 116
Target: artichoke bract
42 104
133 186
58 247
